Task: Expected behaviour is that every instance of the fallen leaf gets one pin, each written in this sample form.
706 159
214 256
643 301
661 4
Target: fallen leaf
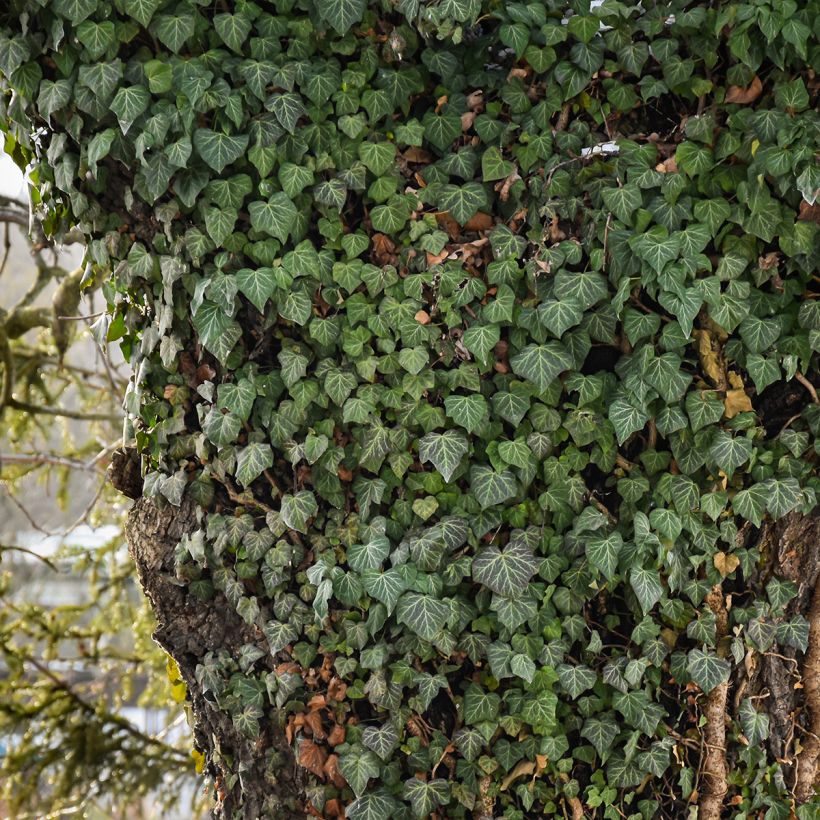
809 212
337 735
668 166
480 222
467 120
742 96
709 355
737 401
422 317
525 767
726 563
312 758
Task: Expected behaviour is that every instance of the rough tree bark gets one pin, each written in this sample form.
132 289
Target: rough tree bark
252 778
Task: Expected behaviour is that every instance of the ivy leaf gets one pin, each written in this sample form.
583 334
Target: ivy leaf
142 10
341 14
75 10
707 669
368 556
494 166
469 412
129 103
576 679
462 202
391 217
656 247
626 419
357 767
287 108
298 509
704 408
782 495
444 450
506 572
381 740
481 339
426 796
755 724
603 553
257 284
233 29
221 428
751 503
252 461
559 316
624 201
219 150
424 614
646 583
480 705
296 307
541 364
274 217
729 452
372 806
174 31
491 488
384 586
378 157
601 731
759 334
279 635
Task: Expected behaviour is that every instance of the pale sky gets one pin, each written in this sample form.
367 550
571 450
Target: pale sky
11 178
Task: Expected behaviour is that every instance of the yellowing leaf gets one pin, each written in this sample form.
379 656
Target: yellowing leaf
726 563
737 401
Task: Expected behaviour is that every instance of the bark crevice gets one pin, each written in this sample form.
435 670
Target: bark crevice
252 778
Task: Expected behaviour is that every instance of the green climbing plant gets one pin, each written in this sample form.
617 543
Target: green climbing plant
484 337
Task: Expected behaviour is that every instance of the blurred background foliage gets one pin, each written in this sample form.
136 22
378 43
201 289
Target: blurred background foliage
92 719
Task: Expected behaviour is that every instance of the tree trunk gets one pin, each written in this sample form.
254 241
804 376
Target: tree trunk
252 778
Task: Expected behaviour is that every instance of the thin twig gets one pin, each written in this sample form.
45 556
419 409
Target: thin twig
808 385
62 412
26 551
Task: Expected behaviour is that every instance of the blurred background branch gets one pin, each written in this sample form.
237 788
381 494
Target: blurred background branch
90 725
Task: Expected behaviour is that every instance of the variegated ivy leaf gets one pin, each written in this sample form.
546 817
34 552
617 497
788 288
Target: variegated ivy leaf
576 679
541 364
357 766
491 488
298 509
274 217
426 796
469 412
378 805
423 614
252 461
444 450
647 586
508 571
381 739
219 150
707 669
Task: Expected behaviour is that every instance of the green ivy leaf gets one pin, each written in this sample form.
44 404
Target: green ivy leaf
444 450
506 572
219 150
426 796
341 14
357 767
298 509
252 461
491 488
274 217
646 583
424 614
707 669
